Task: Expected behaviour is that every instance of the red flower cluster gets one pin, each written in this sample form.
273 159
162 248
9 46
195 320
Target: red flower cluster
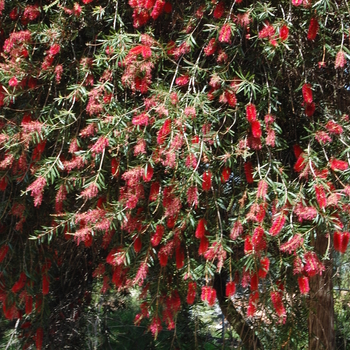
191 293
145 10
340 241
313 29
230 289
248 170
208 295
219 10
336 164
206 181
277 302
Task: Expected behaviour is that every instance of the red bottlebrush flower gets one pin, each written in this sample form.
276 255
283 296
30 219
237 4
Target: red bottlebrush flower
225 175
39 338
322 137
303 282
256 129
248 247
225 33
231 98
38 303
191 293
341 241
230 289
200 230
99 146
237 230
264 267
20 283
14 14
340 60
344 242
168 7
157 9
334 128
219 10
203 245
148 4
310 109
54 49
267 32
222 58
46 284
3 252
179 257
298 266
154 191
313 29
320 196
140 17
336 164
277 225
13 82
182 81
245 278
192 196
248 170
253 302
164 132
3 184
292 245
211 48
206 181
174 98
148 174
10 312
137 244
163 257
254 282
90 192
250 112
337 238
301 163
111 257
155 326
258 239
307 93
313 265
284 32
262 189
157 237
141 119
146 52
208 295
297 151
276 298
28 304
190 111
115 167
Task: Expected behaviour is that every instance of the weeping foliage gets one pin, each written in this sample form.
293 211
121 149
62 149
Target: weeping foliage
162 144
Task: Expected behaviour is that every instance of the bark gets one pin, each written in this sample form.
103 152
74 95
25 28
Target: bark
321 312
235 319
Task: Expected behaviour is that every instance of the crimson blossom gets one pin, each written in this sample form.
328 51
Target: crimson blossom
197 151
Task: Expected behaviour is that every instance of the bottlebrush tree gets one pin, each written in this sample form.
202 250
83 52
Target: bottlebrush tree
194 149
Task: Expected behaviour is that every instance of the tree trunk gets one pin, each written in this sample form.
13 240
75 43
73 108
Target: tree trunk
235 319
321 311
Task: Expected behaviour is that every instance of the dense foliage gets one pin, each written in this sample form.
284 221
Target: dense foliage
162 144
